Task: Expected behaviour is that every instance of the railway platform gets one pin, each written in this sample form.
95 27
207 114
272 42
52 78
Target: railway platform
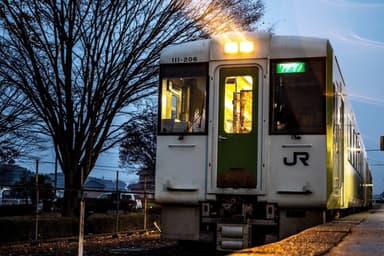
360 234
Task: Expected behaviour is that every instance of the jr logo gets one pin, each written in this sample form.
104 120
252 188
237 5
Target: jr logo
302 156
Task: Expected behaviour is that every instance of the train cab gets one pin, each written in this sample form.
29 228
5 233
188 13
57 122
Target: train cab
252 142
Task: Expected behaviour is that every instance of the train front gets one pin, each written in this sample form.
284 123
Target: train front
246 145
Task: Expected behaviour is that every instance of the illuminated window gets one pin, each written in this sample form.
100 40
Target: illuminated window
183 96
238 104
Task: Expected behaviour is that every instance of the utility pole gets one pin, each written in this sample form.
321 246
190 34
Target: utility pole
145 202
55 176
81 218
37 201
117 205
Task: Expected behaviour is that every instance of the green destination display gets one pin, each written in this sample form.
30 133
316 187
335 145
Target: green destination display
290 67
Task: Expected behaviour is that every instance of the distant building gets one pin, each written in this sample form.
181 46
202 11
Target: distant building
93 186
96 186
146 180
10 173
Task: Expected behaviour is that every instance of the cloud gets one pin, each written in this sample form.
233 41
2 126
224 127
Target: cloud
366 99
356 3
353 38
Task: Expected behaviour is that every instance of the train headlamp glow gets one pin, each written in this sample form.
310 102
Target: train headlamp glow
238 47
231 48
246 47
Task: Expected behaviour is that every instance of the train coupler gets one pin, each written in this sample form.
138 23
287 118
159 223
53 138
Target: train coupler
232 237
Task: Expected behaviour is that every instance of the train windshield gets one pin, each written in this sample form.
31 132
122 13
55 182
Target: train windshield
183 98
298 96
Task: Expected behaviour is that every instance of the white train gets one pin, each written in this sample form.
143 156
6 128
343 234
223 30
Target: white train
256 140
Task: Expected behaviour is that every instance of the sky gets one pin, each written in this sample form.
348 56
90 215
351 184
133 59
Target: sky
355 29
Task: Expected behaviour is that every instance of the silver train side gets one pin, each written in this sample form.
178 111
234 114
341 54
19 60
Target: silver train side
256 140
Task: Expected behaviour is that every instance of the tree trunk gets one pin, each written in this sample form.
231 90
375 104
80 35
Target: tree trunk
71 200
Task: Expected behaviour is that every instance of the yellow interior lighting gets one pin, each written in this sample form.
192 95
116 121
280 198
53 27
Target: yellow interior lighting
231 48
246 47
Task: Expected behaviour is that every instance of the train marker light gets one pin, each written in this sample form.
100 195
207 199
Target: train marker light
290 67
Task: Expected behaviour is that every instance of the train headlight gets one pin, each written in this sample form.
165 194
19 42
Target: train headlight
246 47
231 48
242 47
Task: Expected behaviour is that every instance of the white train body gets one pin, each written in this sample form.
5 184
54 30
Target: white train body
256 140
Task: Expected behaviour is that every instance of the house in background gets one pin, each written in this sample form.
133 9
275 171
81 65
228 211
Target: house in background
146 183
11 173
96 186
93 186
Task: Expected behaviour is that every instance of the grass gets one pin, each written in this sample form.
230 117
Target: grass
53 225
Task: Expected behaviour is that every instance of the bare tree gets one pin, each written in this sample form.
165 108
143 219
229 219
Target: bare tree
138 147
9 123
80 63
16 124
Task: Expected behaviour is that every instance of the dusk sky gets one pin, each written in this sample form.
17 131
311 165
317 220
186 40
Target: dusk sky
356 31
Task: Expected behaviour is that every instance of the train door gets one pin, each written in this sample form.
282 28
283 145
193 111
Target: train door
237 128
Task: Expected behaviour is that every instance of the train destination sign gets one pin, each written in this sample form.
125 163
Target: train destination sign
290 67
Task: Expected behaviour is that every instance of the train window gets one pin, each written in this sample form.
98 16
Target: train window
354 148
297 96
238 104
183 93
350 143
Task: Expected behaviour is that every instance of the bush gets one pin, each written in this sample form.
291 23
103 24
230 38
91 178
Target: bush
17 210
22 228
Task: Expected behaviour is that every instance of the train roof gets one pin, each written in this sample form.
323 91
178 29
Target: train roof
267 45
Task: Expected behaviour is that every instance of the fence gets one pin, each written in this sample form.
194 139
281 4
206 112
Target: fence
23 218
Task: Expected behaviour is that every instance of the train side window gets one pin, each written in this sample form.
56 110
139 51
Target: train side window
297 104
183 92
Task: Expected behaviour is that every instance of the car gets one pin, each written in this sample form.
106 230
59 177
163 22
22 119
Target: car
127 200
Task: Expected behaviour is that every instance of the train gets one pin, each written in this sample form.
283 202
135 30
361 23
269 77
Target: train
256 140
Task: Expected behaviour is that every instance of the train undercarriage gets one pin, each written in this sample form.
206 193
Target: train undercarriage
235 222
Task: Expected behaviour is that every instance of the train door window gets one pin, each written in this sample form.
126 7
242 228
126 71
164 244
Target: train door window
297 104
238 104
183 98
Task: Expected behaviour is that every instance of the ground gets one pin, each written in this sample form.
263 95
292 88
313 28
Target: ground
95 245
